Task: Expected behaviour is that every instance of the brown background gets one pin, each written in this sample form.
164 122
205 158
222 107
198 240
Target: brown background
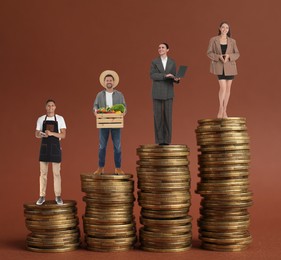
57 49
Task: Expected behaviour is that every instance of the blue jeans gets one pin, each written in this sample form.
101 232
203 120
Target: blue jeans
116 139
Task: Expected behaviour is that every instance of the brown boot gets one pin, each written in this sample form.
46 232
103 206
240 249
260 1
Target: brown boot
118 171
99 171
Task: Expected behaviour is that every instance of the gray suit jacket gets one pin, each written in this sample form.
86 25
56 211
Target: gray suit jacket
162 87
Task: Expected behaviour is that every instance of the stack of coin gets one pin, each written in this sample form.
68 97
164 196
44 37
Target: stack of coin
54 228
224 186
164 197
109 222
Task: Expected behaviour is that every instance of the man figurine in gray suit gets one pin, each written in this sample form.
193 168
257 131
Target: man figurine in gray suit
162 72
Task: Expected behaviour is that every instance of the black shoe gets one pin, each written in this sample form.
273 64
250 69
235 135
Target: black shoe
59 200
40 201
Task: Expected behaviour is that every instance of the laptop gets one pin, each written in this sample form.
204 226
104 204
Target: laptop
181 71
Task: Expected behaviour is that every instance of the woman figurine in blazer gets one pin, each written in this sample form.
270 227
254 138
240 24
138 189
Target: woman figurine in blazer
223 53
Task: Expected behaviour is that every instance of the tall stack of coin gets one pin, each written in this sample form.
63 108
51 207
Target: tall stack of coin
164 197
109 222
54 228
224 169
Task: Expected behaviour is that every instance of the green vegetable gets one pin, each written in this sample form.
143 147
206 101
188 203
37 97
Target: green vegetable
118 107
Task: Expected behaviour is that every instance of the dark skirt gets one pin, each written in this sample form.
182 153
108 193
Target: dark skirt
229 77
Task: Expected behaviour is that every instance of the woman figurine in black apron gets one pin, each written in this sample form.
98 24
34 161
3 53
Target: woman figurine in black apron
50 128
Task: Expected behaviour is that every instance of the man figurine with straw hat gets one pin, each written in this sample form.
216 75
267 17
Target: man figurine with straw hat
109 79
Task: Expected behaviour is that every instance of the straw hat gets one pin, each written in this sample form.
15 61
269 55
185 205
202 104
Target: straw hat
112 73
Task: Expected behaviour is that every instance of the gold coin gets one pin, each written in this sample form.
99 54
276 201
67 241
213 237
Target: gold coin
116 207
163 189
232 197
221 128
50 204
163 147
164 201
56 242
117 249
222 120
111 227
225 168
163 162
225 234
165 222
220 176
54 237
151 249
162 170
148 154
158 238
187 228
166 207
175 230
91 177
244 204
107 220
165 250
164 214
110 242
173 195
227 182
113 234
222 191
226 241
162 236
223 226
224 248
52 233
109 211
49 217
223 156
52 250
235 134
221 142
229 212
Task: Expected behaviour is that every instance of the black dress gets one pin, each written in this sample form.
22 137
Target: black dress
223 51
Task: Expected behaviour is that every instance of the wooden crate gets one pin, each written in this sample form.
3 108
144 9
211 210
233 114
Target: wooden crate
110 120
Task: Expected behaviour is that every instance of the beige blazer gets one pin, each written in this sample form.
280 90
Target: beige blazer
214 51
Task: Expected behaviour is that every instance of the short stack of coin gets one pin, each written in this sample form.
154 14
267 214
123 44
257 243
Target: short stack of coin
224 170
109 222
164 197
54 228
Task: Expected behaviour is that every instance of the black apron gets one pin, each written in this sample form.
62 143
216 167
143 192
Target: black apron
50 150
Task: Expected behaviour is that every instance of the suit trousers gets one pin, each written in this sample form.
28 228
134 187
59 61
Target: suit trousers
163 120
43 178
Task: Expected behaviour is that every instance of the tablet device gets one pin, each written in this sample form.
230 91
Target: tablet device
181 71
43 134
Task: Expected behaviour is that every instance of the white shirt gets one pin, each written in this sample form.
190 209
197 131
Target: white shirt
108 99
60 119
164 62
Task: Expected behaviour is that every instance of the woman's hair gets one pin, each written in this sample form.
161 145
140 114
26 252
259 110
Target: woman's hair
228 33
166 44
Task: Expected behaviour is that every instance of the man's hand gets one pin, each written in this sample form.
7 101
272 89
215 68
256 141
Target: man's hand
48 133
170 76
